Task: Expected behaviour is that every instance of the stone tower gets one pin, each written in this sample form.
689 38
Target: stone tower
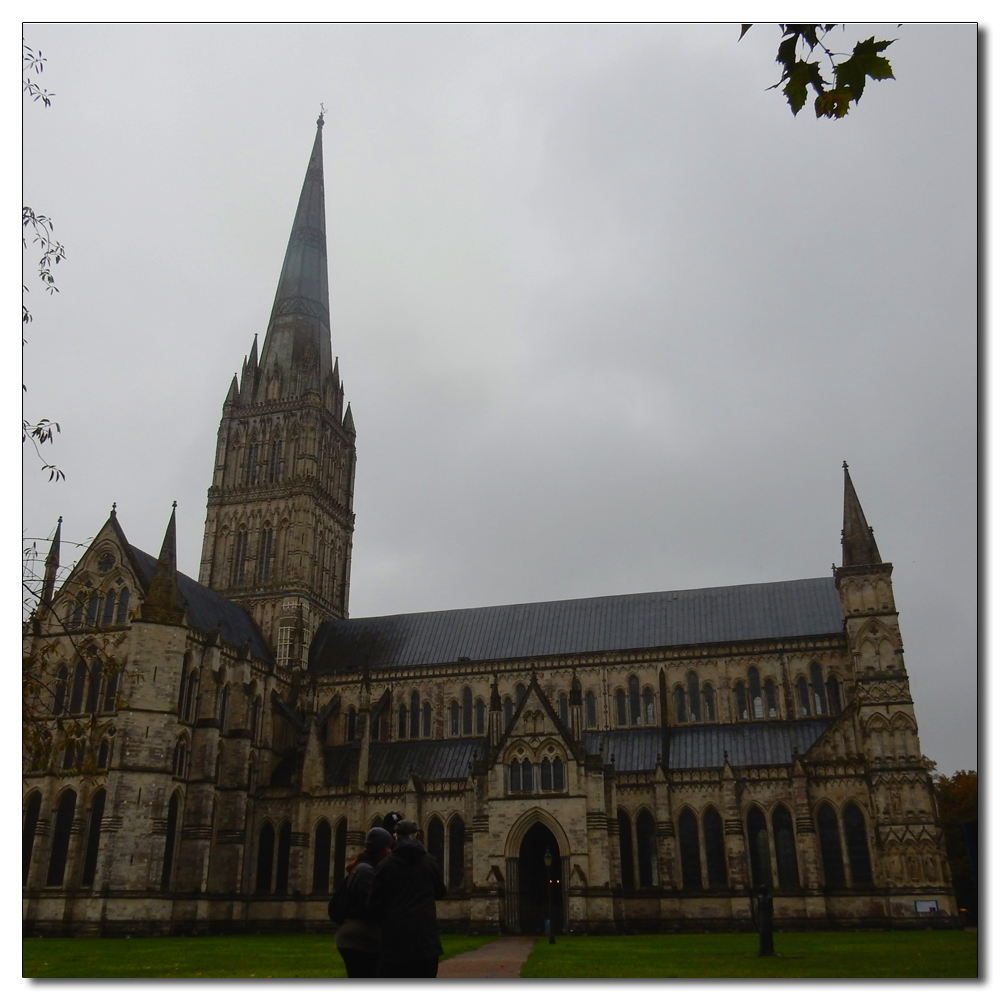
907 834
280 509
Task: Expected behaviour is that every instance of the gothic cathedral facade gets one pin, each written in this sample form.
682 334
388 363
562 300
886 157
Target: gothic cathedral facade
205 756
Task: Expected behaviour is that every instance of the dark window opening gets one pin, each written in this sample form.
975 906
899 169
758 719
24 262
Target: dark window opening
456 853
829 845
28 831
591 710
687 832
321 858
93 839
645 835
715 848
857 845
171 840
760 853
435 841
784 847
625 849
60 838
265 858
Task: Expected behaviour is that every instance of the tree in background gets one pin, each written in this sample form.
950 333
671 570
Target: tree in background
850 73
51 251
958 805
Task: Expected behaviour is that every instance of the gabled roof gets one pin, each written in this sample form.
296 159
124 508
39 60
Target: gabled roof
206 609
589 625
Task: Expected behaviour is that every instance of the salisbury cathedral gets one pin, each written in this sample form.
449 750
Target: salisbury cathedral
214 751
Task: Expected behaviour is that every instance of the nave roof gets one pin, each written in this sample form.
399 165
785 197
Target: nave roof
589 625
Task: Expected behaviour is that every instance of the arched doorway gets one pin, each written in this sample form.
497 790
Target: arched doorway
533 881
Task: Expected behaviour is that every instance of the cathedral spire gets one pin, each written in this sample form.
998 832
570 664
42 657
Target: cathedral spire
52 566
297 346
163 603
857 538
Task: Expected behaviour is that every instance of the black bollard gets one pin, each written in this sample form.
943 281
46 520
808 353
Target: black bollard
765 921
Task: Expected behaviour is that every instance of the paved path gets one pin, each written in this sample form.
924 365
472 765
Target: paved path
500 959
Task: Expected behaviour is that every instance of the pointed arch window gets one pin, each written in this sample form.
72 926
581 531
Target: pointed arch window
635 709
414 715
455 718
625 849
708 694
284 858
29 829
427 720
93 606
94 685
266 558
621 709
508 711
240 558
191 697
519 692
829 845
79 683
104 755
649 707
253 457
802 690
61 830
760 852
122 616
352 724
546 775
339 852
694 699
275 462
645 838
467 711
563 708
715 848
180 759
321 857
78 609
740 696
480 713
833 695
402 722
521 776
591 702
770 699
818 688
857 845
93 839
756 695
680 708
265 858
435 841
60 703
223 711
169 847
109 608
456 853
687 832
784 847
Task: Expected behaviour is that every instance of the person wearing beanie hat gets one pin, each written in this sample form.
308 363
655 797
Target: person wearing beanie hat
404 889
359 939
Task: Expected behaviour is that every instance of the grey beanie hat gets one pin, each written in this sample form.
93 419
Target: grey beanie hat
407 827
377 838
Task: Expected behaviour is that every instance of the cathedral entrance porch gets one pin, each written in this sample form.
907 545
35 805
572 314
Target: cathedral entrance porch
540 885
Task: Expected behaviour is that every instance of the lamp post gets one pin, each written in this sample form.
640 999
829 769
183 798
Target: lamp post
548 885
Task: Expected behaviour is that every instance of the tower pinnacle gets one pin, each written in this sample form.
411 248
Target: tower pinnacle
857 537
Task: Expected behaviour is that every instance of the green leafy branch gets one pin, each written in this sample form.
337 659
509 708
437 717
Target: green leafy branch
850 73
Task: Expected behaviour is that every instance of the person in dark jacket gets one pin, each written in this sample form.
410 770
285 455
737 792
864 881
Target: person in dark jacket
404 889
359 939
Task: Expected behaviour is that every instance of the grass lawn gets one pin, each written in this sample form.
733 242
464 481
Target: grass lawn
275 956
812 955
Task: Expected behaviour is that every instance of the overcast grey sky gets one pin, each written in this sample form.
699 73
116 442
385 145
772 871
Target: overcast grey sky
609 317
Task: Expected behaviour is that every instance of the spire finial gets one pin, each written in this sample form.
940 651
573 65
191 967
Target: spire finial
845 463
322 113
174 505
114 509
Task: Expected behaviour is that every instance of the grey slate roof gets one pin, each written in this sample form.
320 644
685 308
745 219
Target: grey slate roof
432 760
593 624
208 610
750 744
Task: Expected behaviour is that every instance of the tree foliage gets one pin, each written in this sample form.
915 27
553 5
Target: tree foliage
40 230
958 804
800 71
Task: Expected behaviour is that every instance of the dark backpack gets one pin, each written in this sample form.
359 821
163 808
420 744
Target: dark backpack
342 905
